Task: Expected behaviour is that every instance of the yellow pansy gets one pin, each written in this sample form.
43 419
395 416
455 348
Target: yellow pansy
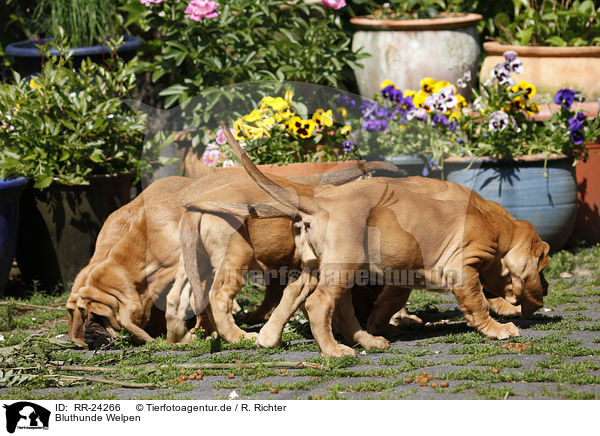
300 127
462 102
266 124
386 83
428 85
454 116
278 103
409 93
323 118
441 85
253 116
346 130
343 112
419 98
534 108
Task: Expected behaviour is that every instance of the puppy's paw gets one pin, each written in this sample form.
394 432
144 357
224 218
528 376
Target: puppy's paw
268 339
368 341
338 350
404 319
502 331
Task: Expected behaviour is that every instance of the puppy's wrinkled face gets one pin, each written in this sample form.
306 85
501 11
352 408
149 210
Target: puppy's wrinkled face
524 264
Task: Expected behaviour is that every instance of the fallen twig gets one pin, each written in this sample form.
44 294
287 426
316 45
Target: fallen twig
110 382
23 306
276 364
109 369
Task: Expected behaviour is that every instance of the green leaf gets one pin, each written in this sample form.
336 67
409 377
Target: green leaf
44 182
556 41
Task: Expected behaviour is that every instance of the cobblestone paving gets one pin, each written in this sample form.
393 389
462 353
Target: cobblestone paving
557 357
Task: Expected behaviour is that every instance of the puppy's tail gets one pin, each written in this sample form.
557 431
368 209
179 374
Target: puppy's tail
266 210
191 250
304 205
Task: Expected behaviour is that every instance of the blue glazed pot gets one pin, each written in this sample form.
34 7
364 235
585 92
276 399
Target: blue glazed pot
29 60
10 193
549 203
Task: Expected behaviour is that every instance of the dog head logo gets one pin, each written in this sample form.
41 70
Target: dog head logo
26 415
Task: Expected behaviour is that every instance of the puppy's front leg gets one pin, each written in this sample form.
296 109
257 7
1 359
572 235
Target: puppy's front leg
472 302
500 306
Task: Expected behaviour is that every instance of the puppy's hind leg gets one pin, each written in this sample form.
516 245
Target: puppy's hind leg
345 321
178 301
294 294
390 304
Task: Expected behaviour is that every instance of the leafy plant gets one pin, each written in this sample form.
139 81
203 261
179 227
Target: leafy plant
65 126
414 9
85 22
243 41
436 122
548 23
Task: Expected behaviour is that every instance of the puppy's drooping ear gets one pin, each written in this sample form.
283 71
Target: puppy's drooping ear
543 248
524 261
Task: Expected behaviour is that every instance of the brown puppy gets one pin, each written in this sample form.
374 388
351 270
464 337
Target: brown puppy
442 235
137 257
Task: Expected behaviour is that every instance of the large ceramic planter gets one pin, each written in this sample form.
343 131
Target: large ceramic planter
10 193
29 60
587 225
549 203
59 226
406 51
551 68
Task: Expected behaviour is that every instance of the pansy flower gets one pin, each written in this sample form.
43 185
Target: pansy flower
300 127
211 155
566 96
512 63
498 121
428 85
348 145
323 118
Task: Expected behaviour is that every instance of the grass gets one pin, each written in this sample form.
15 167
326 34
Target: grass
556 364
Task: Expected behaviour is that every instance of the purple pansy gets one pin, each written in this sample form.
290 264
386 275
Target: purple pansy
346 101
440 119
566 96
348 145
375 125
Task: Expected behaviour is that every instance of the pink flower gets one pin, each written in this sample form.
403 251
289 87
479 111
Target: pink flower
149 2
221 139
211 155
335 4
202 9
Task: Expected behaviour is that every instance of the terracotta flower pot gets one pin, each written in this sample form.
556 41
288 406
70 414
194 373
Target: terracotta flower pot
551 68
406 51
587 225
